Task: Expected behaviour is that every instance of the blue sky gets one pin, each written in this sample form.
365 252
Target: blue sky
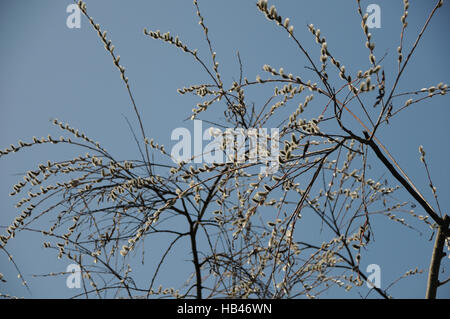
50 71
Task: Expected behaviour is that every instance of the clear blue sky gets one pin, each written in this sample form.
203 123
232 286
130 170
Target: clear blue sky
50 71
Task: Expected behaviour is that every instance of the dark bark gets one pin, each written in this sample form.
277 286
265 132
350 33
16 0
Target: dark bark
435 264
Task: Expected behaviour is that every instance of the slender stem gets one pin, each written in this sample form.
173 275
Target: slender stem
397 79
198 273
405 183
435 264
